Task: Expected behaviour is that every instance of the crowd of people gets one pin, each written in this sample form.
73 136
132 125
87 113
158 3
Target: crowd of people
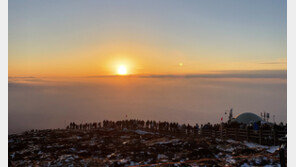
134 124
173 127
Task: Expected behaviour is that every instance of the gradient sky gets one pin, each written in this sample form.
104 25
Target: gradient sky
90 37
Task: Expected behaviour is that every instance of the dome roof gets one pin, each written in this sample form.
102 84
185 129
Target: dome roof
247 118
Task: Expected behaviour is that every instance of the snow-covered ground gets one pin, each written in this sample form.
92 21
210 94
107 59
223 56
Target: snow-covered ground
111 147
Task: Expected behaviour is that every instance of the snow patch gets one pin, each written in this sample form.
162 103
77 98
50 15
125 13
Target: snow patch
141 132
272 149
254 145
230 160
161 156
167 142
245 165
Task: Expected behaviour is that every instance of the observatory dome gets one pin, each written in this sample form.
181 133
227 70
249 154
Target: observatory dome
247 118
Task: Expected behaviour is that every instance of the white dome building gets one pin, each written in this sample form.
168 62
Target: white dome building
247 118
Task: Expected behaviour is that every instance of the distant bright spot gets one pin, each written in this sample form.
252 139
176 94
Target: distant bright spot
180 64
121 70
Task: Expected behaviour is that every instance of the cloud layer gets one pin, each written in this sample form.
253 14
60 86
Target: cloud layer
49 103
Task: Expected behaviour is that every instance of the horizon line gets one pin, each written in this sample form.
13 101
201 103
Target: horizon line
212 74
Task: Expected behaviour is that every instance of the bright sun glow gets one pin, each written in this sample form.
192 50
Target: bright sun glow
121 70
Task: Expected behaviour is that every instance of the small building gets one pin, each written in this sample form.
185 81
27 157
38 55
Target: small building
247 118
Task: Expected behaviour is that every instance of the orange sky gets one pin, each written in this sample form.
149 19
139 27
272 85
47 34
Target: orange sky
137 59
94 38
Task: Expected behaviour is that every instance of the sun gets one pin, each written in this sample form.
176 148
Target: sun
121 70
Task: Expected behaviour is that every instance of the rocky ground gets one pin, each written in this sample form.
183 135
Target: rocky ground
109 147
